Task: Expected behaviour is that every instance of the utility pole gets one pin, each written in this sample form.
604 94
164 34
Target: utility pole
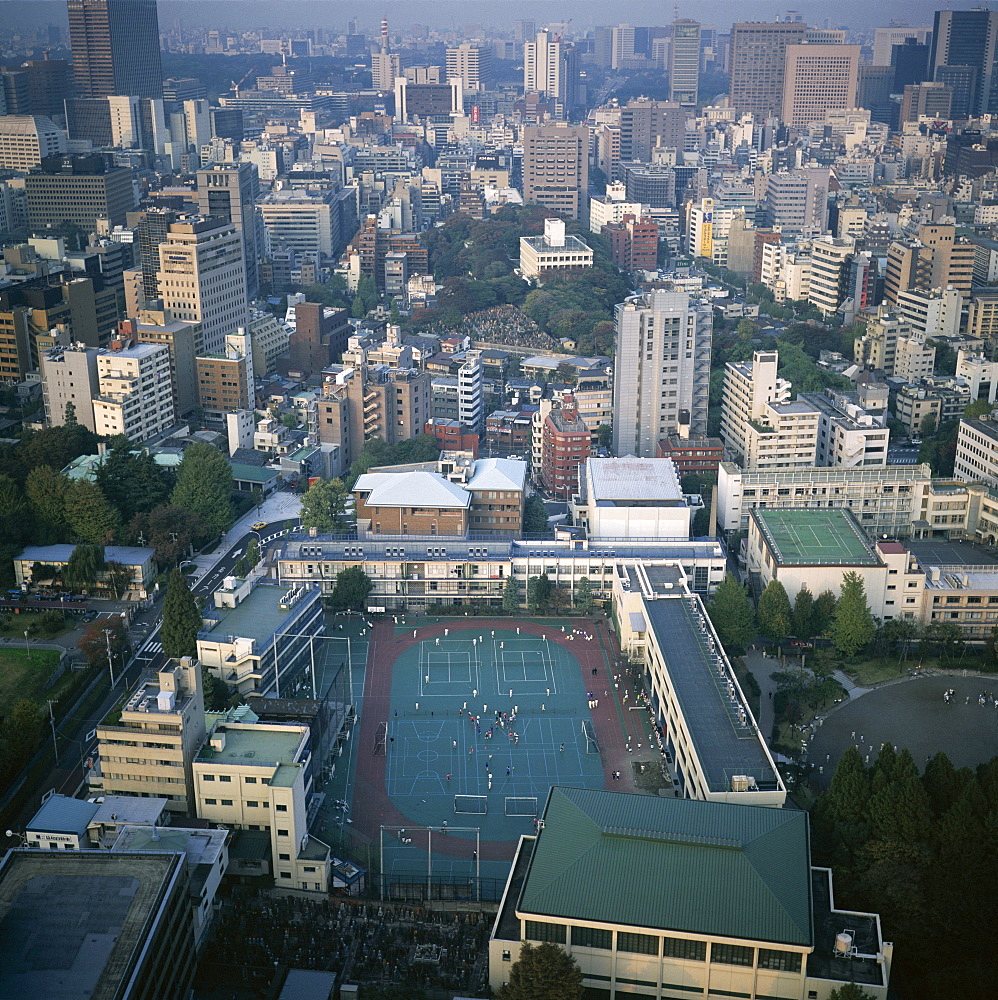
110 665
55 745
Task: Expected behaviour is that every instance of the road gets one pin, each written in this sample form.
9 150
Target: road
77 736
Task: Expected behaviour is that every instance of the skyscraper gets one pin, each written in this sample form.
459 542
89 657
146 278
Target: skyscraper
684 62
817 78
230 191
115 47
967 38
556 167
758 53
662 370
550 67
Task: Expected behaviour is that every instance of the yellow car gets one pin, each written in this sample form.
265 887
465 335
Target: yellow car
259 526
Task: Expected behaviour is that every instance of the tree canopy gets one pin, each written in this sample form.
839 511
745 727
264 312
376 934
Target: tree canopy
853 625
774 613
204 486
351 589
181 618
731 613
324 505
542 972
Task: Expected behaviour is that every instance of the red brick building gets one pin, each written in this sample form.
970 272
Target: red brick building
452 435
566 443
633 243
507 432
697 454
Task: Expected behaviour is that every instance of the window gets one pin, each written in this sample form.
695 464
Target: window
640 944
225 777
730 954
281 808
779 961
506 956
226 802
211 802
282 833
682 948
250 781
251 804
592 937
284 857
535 930
208 777
285 874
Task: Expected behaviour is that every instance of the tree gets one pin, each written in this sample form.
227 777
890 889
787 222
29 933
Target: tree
204 486
45 489
978 408
324 505
535 516
94 641
511 595
700 527
253 553
169 530
216 692
84 566
542 972
132 482
803 616
119 578
824 608
604 435
181 618
774 614
850 991
91 517
584 595
20 736
351 590
853 626
731 612
533 599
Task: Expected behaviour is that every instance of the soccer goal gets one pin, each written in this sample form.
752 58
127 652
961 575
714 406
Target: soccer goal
476 805
381 740
590 737
521 805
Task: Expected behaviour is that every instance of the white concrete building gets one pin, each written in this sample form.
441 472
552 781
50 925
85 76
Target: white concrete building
707 232
981 374
135 392
69 376
471 392
26 139
849 434
931 314
612 207
554 251
977 451
662 369
306 219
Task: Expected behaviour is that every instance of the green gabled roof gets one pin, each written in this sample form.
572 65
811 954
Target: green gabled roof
672 864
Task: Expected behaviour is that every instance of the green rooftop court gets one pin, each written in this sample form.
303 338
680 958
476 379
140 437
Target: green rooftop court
815 537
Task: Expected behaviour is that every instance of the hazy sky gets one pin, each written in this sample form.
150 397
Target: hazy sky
860 14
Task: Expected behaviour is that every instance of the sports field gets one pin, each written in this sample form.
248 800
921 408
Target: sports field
466 725
815 537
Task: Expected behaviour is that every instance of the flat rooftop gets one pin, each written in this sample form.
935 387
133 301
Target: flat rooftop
930 552
725 747
71 922
258 616
815 537
632 478
254 745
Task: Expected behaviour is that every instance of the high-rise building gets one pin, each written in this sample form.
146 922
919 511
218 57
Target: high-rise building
26 140
472 63
684 62
69 376
936 259
884 40
758 57
662 370
645 125
967 38
183 338
115 47
229 191
798 200
80 190
566 443
134 393
929 98
202 277
550 68
817 78
556 168
471 392
386 66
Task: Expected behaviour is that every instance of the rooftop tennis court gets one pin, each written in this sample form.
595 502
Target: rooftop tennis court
829 537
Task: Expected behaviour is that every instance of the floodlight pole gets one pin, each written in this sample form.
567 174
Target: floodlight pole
381 838
429 864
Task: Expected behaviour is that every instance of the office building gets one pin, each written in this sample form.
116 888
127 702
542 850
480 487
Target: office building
552 252
684 62
225 381
611 207
830 259
69 376
428 100
386 66
936 259
256 635
134 395
149 751
662 370
797 200
25 141
933 100
547 67
472 63
977 451
556 168
230 191
319 338
758 61
633 243
307 220
648 125
967 38
115 47
131 936
79 190
202 277
818 78
884 40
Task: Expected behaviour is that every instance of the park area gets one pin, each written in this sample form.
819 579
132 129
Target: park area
466 724
24 674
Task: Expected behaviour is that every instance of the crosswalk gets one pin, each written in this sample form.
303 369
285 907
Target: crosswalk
153 648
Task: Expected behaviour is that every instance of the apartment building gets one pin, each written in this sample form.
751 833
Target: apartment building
935 313
977 451
149 750
259 776
611 207
662 369
305 219
890 344
134 391
941 399
936 259
817 78
830 259
566 442
556 168
852 427
69 376
225 382
183 338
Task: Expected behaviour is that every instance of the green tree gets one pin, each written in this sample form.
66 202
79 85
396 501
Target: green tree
533 594
20 736
119 578
824 609
978 408
535 516
604 435
84 566
700 528
774 613
542 972
731 613
91 517
181 618
853 626
169 530
216 692
850 991
511 594
803 617
204 486
352 588
45 490
324 505
584 595
253 553
132 482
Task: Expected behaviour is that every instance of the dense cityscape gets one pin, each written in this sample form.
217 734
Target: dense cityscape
497 508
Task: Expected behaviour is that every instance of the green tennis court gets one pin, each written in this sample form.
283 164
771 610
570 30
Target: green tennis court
814 537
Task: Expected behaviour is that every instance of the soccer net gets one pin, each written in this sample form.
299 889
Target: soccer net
521 805
381 740
477 805
590 737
